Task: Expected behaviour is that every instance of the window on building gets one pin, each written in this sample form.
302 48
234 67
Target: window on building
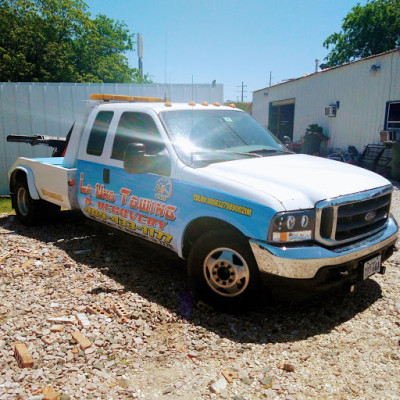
98 133
135 128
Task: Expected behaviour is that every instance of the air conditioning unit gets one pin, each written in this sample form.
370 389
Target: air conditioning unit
330 111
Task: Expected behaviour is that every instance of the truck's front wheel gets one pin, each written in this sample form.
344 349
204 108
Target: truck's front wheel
222 269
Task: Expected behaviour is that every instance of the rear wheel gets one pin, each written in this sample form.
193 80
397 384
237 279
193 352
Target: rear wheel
222 269
28 210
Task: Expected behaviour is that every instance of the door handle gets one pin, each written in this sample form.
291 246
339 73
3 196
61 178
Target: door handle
106 175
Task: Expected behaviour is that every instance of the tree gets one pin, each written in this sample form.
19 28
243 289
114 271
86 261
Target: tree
366 30
58 41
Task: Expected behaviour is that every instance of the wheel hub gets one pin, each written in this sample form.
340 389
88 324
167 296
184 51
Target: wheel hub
226 272
23 201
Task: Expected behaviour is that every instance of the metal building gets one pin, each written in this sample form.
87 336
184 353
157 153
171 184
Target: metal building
51 108
352 102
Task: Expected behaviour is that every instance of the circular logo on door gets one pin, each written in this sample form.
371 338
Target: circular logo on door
163 189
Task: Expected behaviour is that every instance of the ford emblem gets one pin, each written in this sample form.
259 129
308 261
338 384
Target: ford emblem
370 216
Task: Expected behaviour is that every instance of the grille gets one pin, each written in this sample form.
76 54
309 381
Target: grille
353 217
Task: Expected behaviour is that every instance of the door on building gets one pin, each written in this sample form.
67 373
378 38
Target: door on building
392 122
281 118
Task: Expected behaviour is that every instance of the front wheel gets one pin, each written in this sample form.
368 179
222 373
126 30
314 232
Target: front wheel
222 269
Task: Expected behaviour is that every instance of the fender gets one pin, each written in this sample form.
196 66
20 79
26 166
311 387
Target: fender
30 179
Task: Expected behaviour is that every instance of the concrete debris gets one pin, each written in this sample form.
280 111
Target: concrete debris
147 338
63 320
219 385
57 328
83 320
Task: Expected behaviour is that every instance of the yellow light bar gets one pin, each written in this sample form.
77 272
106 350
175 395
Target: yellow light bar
232 105
109 97
118 97
148 99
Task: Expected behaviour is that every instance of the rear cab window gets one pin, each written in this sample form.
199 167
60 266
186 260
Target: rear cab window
98 134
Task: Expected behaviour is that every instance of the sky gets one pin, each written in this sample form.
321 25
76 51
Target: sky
230 41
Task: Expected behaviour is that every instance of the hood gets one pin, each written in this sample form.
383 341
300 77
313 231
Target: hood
297 181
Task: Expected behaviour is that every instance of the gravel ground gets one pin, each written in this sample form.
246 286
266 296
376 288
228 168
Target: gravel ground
147 340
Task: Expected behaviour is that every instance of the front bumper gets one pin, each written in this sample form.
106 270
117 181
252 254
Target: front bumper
304 262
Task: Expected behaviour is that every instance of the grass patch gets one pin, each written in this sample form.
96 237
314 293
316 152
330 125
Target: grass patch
5 205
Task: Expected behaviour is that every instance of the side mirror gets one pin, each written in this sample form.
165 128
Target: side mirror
138 161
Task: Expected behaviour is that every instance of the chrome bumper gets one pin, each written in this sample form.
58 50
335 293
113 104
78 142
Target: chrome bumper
305 261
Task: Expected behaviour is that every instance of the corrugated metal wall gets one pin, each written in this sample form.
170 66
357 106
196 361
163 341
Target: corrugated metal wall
51 108
362 93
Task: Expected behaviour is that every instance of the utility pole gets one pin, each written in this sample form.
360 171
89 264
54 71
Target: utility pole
243 91
140 53
270 78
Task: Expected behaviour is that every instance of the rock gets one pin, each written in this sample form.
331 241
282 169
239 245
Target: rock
49 393
288 367
267 382
219 385
98 365
123 383
246 380
169 389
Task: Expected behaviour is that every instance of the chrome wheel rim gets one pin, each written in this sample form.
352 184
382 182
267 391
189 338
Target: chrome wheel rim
23 201
226 272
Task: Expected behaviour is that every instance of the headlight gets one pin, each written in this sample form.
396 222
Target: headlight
292 226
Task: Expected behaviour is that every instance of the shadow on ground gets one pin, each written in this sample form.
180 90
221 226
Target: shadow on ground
159 276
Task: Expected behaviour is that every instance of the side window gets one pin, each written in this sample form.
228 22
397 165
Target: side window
135 128
98 133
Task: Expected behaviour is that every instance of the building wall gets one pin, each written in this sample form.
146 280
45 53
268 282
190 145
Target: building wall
362 94
51 108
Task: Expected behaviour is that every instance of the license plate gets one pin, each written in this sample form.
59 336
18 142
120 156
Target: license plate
372 266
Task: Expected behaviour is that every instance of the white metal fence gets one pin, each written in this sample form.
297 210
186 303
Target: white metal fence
51 108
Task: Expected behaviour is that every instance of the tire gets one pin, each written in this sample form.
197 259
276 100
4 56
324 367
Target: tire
222 270
28 210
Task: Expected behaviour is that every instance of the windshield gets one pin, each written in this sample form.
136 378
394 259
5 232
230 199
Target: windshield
205 136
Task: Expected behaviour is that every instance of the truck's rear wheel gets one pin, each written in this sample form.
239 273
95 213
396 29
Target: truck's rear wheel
222 269
28 210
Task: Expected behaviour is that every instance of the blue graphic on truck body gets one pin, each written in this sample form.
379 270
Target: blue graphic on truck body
160 208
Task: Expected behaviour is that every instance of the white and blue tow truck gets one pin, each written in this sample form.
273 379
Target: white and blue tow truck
211 184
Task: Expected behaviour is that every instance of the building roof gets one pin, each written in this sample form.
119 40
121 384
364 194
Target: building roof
332 68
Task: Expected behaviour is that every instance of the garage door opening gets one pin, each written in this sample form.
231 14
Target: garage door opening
281 118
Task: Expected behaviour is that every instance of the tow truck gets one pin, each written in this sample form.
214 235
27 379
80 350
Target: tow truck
212 185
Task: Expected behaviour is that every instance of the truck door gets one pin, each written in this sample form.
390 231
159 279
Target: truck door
135 202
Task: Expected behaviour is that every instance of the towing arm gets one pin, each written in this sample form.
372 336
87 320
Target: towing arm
51 141
58 143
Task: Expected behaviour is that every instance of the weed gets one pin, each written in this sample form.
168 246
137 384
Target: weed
5 205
